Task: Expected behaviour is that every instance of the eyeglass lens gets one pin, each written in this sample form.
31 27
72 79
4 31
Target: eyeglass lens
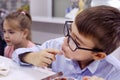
67 27
71 43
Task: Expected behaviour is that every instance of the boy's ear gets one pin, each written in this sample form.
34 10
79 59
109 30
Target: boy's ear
99 55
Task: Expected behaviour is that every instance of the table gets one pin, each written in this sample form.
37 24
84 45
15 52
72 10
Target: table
17 72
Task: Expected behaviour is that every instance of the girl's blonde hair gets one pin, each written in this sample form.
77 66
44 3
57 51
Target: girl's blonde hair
23 21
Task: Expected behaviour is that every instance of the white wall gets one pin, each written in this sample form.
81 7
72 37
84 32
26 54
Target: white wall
42 31
41 7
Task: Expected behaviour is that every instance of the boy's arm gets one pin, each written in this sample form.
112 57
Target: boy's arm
53 43
23 51
41 58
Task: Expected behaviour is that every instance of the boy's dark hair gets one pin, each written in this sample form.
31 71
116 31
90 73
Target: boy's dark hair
102 24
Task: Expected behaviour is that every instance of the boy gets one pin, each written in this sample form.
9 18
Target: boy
94 34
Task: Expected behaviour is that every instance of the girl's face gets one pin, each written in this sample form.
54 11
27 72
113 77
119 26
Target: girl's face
12 36
82 41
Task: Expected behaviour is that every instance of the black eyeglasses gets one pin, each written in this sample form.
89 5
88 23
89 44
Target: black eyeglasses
73 45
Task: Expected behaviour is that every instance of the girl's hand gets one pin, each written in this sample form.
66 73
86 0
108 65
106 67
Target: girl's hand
42 58
92 78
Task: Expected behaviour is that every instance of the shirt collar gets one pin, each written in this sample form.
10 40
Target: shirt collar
113 60
92 67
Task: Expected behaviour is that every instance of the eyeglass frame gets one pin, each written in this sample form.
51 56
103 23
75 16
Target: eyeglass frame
77 47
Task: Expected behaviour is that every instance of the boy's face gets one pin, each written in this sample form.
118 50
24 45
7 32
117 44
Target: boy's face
12 36
80 40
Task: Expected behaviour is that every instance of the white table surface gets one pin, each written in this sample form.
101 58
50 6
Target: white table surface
17 72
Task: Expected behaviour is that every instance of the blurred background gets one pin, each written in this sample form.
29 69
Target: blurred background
11 5
49 16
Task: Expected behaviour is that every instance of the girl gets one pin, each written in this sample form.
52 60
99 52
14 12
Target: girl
17 31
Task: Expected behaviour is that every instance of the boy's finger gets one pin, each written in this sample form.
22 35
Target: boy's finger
53 51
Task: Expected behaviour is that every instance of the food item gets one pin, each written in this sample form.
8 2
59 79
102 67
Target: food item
63 78
60 79
4 69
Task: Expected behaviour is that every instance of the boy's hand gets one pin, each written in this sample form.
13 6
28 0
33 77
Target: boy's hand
42 58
